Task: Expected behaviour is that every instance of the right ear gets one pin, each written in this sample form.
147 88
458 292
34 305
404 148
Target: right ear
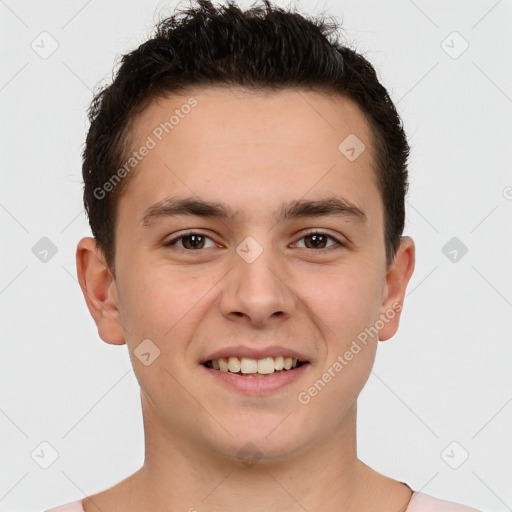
100 292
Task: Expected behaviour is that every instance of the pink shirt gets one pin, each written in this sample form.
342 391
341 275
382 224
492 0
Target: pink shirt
419 503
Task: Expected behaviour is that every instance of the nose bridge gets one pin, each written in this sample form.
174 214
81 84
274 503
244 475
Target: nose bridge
257 286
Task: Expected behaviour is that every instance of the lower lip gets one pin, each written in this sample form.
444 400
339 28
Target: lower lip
258 385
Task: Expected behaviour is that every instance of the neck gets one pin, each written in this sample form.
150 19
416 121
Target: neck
179 474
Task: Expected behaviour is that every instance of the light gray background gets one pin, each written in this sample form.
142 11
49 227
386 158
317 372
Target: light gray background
444 377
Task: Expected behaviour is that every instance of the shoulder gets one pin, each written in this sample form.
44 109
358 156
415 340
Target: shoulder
425 503
74 506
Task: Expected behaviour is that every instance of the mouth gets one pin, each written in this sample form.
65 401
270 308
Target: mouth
255 377
248 367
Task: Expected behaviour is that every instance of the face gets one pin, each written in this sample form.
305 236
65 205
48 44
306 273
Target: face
286 259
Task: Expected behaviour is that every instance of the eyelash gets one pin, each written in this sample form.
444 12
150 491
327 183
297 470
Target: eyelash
338 245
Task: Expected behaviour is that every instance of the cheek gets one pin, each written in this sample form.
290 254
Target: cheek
347 307
153 303
345 300
166 306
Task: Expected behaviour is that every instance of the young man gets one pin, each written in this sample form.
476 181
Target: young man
245 181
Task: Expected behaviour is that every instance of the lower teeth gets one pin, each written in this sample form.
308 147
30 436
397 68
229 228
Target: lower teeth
255 374
258 374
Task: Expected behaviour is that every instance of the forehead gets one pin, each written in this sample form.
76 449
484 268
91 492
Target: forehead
251 149
224 116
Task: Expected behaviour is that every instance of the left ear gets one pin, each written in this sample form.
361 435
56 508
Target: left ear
393 292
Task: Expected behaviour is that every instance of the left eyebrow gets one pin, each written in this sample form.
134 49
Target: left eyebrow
191 206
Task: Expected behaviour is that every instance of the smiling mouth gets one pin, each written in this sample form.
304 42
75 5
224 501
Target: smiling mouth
248 367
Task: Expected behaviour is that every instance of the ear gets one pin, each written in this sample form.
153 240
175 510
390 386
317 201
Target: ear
100 292
393 292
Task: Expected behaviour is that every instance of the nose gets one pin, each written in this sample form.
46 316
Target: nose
259 292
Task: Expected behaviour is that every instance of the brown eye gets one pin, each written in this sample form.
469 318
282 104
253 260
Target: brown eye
190 241
318 240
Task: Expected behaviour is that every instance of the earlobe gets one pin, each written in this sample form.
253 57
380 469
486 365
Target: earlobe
99 289
397 278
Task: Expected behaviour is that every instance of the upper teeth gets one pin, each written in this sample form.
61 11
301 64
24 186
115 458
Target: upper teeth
248 365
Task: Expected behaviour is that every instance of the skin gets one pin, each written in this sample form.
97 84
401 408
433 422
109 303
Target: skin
253 152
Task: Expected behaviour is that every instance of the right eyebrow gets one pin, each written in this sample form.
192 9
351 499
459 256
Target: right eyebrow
171 207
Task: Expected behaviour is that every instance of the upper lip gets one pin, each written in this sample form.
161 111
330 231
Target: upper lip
256 353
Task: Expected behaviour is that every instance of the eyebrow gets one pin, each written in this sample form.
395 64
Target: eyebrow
192 206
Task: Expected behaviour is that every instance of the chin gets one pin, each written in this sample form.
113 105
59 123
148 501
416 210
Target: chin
261 439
